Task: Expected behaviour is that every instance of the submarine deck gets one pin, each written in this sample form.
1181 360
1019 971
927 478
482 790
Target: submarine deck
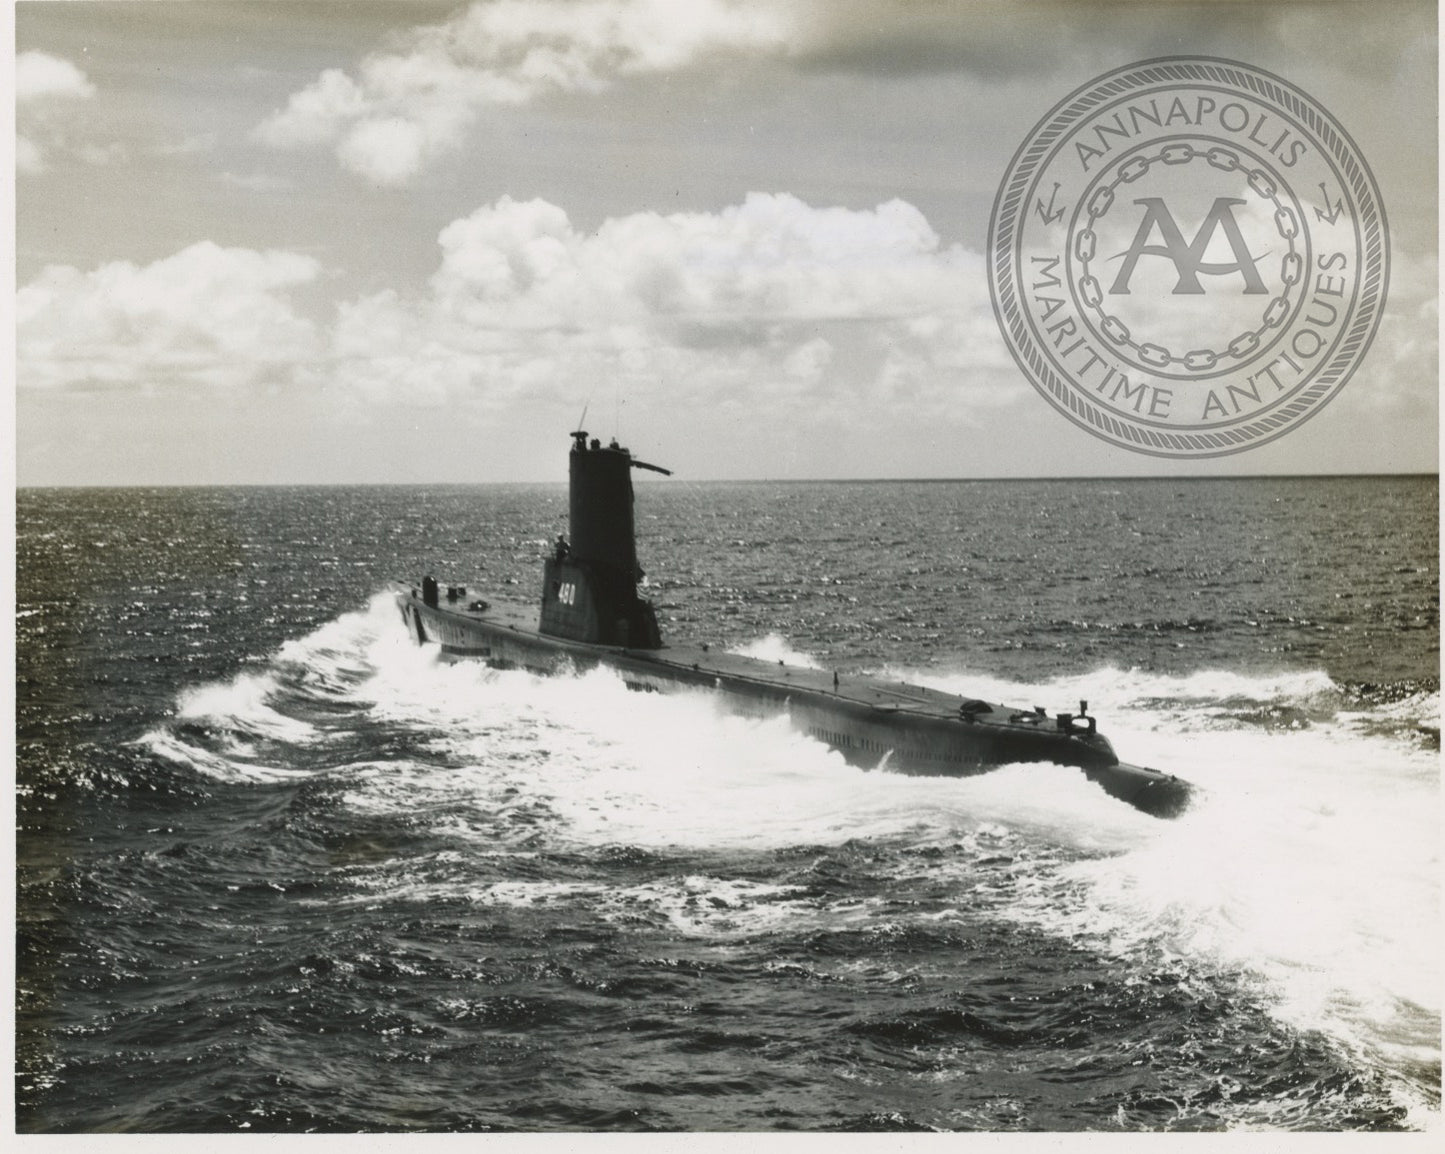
699 663
910 728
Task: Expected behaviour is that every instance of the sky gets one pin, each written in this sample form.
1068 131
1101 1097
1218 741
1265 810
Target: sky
297 242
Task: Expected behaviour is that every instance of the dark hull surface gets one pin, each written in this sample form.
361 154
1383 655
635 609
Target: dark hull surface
891 725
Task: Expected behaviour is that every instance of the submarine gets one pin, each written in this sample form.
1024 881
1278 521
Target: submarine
591 615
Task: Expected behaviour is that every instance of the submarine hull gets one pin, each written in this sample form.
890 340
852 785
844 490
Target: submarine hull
894 726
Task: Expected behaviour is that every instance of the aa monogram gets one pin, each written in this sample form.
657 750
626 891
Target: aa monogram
1188 257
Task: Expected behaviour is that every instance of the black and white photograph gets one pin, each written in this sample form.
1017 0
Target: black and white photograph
591 567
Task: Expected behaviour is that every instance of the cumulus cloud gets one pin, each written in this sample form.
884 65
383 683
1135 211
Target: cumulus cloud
205 316
771 303
409 106
52 97
403 107
771 314
1399 375
47 88
39 75
29 157
773 300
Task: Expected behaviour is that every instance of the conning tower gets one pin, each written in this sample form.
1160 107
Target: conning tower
589 584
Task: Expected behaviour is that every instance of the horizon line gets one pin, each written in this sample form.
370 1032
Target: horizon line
732 481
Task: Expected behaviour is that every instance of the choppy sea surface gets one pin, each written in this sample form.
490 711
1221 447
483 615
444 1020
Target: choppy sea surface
280 870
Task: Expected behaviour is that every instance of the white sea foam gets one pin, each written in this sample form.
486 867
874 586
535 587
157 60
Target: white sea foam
773 647
345 636
1309 858
1194 699
243 706
241 712
693 905
220 766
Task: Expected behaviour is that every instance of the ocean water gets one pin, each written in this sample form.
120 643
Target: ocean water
280 870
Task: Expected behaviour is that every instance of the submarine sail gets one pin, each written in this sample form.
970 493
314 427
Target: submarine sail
589 584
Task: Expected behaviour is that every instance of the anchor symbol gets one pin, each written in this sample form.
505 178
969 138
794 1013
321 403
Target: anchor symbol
1047 211
1335 210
